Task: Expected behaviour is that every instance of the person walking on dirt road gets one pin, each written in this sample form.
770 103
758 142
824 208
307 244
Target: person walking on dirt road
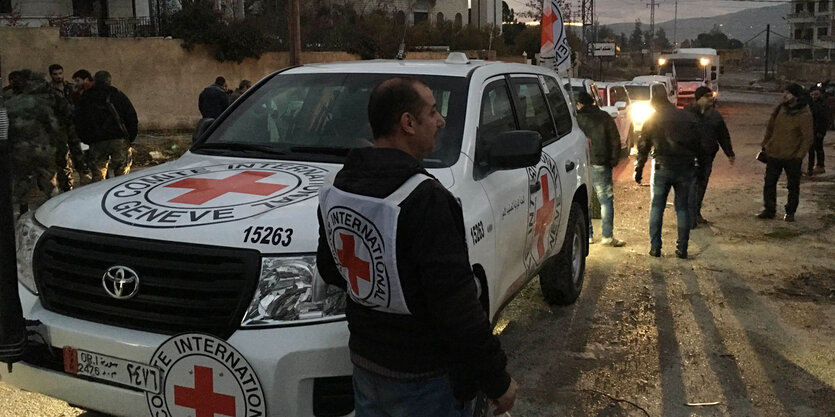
603 135
714 135
821 116
788 136
675 137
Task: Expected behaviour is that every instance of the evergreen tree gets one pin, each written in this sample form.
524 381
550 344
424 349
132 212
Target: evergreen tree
636 39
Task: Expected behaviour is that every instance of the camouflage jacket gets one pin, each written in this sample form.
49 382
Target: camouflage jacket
39 116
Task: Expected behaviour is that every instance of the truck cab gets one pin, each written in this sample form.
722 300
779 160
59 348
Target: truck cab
691 68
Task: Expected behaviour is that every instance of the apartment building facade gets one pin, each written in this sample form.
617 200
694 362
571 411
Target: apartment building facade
811 26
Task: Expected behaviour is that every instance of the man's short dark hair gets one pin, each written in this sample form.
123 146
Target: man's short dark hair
102 77
245 84
585 99
220 80
389 100
54 67
701 92
83 74
14 75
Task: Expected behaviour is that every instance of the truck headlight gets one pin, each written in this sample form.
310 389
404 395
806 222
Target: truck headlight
641 112
291 291
27 233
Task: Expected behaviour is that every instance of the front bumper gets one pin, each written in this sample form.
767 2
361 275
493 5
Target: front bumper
289 362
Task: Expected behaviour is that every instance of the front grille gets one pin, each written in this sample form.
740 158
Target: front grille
182 287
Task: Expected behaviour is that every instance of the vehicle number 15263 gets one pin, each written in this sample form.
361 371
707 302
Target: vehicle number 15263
267 235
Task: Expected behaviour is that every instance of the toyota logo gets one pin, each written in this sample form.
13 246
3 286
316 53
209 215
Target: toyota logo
120 282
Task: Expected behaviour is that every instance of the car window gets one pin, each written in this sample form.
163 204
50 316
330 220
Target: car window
533 109
603 96
316 116
638 92
559 106
659 90
496 111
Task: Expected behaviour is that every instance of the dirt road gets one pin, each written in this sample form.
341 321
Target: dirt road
747 323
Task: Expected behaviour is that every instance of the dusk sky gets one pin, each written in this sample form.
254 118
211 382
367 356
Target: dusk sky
618 11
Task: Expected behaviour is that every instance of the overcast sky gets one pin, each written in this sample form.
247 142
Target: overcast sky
618 11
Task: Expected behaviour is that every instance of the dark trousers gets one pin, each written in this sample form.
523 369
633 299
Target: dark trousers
680 179
697 193
816 153
773 169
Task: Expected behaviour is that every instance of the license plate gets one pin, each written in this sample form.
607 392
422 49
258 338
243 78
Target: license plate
113 370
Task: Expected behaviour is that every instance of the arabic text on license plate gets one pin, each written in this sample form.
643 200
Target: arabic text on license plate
110 369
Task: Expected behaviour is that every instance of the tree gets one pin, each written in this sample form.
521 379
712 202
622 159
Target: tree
717 40
605 34
508 14
533 9
636 39
661 41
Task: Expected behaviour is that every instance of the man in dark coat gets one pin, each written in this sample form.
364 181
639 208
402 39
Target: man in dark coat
821 115
603 134
675 137
412 310
106 121
714 135
214 99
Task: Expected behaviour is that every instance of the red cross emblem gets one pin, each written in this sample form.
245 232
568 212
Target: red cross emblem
204 190
203 398
544 215
357 267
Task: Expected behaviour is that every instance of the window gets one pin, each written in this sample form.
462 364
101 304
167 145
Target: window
439 19
5 6
400 18
496 111
659 90
559 107
618 94
823 6
823 32
798 8
458 20
603 96
798 34
810 7
533 109
420 17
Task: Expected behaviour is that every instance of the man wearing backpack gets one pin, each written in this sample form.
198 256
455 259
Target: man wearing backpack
106 121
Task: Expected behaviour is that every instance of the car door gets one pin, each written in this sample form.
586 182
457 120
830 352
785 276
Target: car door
617 94
545 203
507 191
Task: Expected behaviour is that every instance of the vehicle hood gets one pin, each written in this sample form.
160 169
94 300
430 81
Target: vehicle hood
211 200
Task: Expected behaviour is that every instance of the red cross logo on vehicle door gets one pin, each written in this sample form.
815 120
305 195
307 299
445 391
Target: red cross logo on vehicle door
544 206
356 268
544 215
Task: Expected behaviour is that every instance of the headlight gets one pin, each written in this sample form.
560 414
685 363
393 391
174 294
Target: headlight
641 112
27 233
290 291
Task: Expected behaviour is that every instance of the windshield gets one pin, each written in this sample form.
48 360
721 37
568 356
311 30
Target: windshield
686 69
320 117
638 92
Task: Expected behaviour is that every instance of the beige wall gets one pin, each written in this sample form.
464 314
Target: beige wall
161 78
803 71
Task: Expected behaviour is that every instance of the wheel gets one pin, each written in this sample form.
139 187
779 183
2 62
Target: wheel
594 206
561 277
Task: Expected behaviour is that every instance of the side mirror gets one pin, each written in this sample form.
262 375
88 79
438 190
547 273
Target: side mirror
513 149
621 105
202 127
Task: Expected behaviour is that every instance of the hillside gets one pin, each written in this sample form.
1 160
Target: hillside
742 25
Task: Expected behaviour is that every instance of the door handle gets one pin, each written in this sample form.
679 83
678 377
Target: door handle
535 187
569 166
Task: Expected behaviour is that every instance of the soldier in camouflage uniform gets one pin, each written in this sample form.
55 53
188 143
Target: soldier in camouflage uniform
39 122
72 156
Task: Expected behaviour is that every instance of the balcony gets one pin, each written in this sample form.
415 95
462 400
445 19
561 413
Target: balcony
798 44
823 19
802 17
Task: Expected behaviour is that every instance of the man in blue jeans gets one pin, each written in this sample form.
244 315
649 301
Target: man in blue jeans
675 138
604 138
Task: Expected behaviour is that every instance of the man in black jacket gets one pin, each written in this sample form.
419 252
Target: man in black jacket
106 121
821 116
676 139
214 99
393 237
603 134
714 135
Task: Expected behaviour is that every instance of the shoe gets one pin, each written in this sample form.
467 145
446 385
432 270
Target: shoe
808 173
656 252
788 217
591 241
765 214
681 254
819 170
610 241
701 220
694 225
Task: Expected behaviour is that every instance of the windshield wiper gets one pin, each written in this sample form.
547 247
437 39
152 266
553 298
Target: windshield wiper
325 150
239 147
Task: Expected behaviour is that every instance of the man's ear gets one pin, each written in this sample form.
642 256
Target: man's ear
408 122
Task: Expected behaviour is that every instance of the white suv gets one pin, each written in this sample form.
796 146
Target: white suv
191 287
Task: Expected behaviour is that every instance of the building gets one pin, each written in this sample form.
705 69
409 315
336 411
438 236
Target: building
811 36
417 11
81 17
486 13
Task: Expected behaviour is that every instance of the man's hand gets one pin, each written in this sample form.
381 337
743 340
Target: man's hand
504 403
732 159
638 175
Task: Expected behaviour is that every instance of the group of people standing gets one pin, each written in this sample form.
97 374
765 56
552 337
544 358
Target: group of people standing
684 144
50 118
214 99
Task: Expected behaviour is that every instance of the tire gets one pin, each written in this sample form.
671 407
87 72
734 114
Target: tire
561 277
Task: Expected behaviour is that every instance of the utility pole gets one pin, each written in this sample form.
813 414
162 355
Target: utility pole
652 5
675 27
294 26
767 47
